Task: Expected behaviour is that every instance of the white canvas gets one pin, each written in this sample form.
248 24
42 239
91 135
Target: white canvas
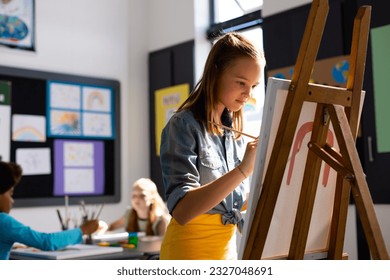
279 235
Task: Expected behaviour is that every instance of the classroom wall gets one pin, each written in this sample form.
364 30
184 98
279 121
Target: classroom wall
174 21
99 38
171 22
274 7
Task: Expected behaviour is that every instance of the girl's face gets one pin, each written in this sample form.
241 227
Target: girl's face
140 199
236 84
6 201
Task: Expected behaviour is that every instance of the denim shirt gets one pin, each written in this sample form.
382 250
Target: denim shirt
190 157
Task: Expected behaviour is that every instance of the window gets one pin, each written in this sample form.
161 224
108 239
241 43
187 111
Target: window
225 10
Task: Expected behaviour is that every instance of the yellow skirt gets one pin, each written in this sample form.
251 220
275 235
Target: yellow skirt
203 238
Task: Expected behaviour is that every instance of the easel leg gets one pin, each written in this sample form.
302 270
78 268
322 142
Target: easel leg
360 191
339 219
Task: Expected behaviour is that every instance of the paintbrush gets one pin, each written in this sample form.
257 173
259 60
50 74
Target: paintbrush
234 130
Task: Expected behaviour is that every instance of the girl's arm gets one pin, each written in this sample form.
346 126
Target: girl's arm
117 224
200 200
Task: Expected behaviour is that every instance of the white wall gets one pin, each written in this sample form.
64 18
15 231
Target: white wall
173 22
273 7
170 22
100 39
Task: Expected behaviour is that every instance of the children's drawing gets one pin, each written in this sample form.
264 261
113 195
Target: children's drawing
97 124
79 180
64 96
78 154
34 161
80 111
78 167
64 123
5 120
96 99
5 139
28 128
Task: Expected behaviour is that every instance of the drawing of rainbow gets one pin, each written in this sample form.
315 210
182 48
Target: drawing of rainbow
28 133
95 100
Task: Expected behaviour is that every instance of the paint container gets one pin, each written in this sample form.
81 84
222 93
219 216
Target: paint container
133 238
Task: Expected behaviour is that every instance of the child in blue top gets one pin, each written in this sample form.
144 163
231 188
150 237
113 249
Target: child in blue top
12 231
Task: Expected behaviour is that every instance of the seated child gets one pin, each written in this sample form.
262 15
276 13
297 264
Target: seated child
12 231
148 212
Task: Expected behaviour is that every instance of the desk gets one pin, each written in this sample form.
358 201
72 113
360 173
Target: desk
148 249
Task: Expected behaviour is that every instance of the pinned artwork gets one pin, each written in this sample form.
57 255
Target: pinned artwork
17 24
76 111
5 120
78 167
28 128
64 130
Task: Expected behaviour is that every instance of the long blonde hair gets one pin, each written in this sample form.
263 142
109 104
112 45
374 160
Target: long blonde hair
157 208
203 99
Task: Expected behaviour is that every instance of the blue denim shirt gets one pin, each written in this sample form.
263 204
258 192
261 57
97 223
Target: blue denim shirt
190 157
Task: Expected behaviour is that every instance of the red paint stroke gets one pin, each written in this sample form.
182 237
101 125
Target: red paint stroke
303 130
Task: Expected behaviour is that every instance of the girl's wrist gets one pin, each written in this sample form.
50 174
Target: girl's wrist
243 173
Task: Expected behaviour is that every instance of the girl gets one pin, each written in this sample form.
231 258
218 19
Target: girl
204 167
148 212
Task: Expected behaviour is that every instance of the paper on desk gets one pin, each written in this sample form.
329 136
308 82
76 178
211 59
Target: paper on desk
70 252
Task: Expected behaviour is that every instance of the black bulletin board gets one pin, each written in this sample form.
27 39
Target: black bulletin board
29 96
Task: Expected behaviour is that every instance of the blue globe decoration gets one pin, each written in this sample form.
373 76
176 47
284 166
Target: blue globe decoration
340 71
280 76
12 28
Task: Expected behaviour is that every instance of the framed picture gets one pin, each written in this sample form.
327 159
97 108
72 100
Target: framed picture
17 26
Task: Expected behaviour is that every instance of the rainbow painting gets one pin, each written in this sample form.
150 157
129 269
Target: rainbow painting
96 99
28 128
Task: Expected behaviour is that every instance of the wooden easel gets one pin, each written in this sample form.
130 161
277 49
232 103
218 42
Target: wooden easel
341 106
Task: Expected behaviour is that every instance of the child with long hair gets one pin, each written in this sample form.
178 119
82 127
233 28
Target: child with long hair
147 213
204 165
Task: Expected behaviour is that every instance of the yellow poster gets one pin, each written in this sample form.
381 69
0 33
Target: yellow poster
167 101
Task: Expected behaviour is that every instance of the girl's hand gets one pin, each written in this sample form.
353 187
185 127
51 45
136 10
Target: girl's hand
248 162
